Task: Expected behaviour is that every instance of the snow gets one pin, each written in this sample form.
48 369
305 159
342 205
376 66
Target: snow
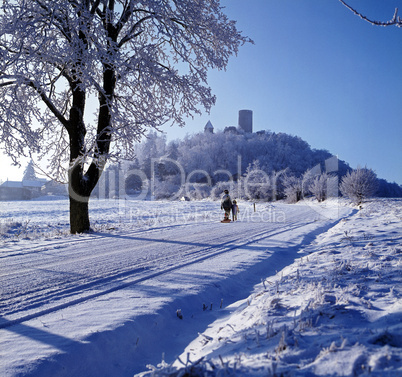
312 289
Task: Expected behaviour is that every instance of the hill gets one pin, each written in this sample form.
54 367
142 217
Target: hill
203 164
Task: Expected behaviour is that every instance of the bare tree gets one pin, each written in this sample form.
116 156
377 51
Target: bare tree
359 184
77 76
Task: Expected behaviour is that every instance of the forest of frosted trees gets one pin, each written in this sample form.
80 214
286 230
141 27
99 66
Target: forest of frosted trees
263 165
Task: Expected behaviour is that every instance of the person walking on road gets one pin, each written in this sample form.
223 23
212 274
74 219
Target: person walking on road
226 204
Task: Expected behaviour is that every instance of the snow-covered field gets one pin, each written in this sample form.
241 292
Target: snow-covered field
294 290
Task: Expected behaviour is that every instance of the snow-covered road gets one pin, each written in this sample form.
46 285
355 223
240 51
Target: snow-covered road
57 293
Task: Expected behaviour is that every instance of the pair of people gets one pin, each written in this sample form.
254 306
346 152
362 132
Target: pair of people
228 205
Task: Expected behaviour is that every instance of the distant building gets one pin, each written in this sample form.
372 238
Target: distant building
231 129
245 124
25 190
209 127
246 120
55 188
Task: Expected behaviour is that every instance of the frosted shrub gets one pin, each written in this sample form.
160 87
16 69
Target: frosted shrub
359 184
10 227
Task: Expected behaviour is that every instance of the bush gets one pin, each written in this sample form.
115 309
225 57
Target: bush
359 184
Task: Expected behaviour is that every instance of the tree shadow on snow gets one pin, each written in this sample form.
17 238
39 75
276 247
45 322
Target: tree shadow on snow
143 339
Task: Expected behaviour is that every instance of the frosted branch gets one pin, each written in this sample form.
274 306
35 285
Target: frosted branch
7 83
48 103
142 64
396 20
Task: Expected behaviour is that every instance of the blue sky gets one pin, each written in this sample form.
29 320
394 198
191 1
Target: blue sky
316 71
319 72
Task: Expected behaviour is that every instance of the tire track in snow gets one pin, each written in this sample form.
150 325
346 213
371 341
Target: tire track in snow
67 242
78 256
147 243
78 293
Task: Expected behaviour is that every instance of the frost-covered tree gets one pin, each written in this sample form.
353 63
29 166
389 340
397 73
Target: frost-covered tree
325 186
359 184
77 76
293 188
256 183
152 148
29 172
318 187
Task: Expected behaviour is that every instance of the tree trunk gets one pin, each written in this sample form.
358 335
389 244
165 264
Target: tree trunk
79 215
80 184
79 198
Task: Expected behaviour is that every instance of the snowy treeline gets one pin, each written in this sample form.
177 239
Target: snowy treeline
202 165
264 165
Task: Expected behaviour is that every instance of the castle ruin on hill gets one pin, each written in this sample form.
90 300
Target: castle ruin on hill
245 124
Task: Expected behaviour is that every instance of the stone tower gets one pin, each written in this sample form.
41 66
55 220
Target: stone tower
246 120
